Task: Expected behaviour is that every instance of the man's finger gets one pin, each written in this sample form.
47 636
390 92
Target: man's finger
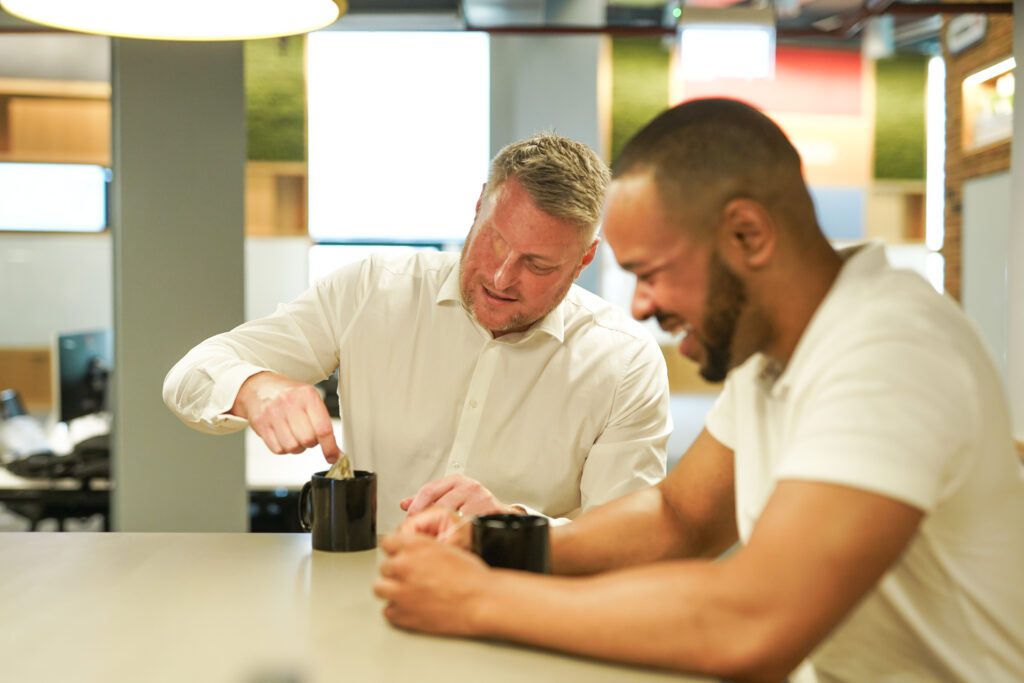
391 568
301 429
285 438
269 438
454 499
431 522
323 430
429 493
385 588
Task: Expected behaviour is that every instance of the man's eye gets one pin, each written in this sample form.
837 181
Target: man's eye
541 270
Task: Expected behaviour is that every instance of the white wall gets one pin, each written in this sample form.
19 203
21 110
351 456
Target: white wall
986 240
53 283
276 271
70 57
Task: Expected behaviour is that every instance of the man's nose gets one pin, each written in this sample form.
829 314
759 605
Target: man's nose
506 274
643 303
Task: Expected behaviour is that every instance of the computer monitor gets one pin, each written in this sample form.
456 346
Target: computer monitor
84 362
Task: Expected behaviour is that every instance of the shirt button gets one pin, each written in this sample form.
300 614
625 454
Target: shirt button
456 465
472 403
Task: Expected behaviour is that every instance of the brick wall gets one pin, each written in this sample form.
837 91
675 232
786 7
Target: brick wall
961 165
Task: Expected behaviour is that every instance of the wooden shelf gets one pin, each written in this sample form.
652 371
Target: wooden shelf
39 87
275 198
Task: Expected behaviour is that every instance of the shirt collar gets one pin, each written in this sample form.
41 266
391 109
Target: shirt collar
553 324
860 262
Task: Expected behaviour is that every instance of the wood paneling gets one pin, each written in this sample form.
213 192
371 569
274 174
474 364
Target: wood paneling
684 376
64 130
28 371
275 198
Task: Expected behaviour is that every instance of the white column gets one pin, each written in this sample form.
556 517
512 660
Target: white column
179 161
1015 271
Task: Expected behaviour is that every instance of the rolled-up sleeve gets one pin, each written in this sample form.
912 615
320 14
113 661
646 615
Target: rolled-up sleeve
630 453
300 341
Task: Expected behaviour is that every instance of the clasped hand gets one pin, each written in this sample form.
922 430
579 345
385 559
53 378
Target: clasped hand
429 585
457 493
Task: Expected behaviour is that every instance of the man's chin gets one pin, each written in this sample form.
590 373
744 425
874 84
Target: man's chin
714 375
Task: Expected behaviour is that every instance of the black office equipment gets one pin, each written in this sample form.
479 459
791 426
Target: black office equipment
84 360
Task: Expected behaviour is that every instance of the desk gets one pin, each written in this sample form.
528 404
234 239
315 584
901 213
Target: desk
273 482
60 499
233 608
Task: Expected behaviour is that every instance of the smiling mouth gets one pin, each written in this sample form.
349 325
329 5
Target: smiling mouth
497 297
674 327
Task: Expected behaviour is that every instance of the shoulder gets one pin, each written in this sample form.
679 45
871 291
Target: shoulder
388 270
425 263
592 321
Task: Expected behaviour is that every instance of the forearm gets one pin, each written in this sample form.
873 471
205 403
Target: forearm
605 537
685 615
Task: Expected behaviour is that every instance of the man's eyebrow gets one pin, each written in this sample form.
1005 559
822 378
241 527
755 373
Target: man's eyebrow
631 266
547 260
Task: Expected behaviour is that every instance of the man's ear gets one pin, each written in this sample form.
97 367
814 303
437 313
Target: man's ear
747 234
588 256
480 199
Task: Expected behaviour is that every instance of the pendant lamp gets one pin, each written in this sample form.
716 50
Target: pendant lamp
181 19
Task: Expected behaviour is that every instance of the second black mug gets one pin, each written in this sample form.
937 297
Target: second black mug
513 542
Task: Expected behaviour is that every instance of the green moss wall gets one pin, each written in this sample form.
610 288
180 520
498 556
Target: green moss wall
275 93
639 86
900 117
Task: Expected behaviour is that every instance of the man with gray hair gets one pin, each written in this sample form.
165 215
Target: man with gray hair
483 382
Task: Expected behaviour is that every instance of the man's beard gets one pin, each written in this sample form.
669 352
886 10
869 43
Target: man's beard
726 299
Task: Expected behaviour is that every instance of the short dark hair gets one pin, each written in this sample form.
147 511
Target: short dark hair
705 152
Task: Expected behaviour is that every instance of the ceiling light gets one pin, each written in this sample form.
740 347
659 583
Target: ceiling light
181 19
726 43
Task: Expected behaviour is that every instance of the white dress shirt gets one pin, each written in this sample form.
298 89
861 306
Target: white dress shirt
565 416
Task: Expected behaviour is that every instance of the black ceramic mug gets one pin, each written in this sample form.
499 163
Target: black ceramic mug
341 513
513 542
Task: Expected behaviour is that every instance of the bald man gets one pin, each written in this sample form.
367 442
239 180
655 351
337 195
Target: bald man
860 454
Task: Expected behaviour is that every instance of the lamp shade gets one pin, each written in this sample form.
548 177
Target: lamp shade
181 19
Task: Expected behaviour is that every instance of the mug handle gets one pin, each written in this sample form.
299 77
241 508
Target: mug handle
305 509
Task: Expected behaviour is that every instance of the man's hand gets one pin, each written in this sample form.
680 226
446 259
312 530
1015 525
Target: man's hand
442 524
430 586
289 416
458 494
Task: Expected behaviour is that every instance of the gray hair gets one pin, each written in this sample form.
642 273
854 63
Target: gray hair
565 178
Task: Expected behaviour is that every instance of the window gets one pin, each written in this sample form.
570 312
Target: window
399 135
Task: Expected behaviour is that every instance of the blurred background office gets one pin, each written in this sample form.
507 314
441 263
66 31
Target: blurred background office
153 193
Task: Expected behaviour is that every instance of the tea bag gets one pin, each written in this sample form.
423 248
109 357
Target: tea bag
341 469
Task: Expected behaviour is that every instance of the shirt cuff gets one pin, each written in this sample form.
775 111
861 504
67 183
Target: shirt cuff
225 390
553 521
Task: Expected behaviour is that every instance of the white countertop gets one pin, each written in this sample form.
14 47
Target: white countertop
237 608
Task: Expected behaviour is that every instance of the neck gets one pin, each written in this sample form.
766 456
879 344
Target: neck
803 284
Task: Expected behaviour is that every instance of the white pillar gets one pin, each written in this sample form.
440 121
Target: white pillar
1015 271
179 162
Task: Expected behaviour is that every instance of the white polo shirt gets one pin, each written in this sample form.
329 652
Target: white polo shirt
568 415
891 390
